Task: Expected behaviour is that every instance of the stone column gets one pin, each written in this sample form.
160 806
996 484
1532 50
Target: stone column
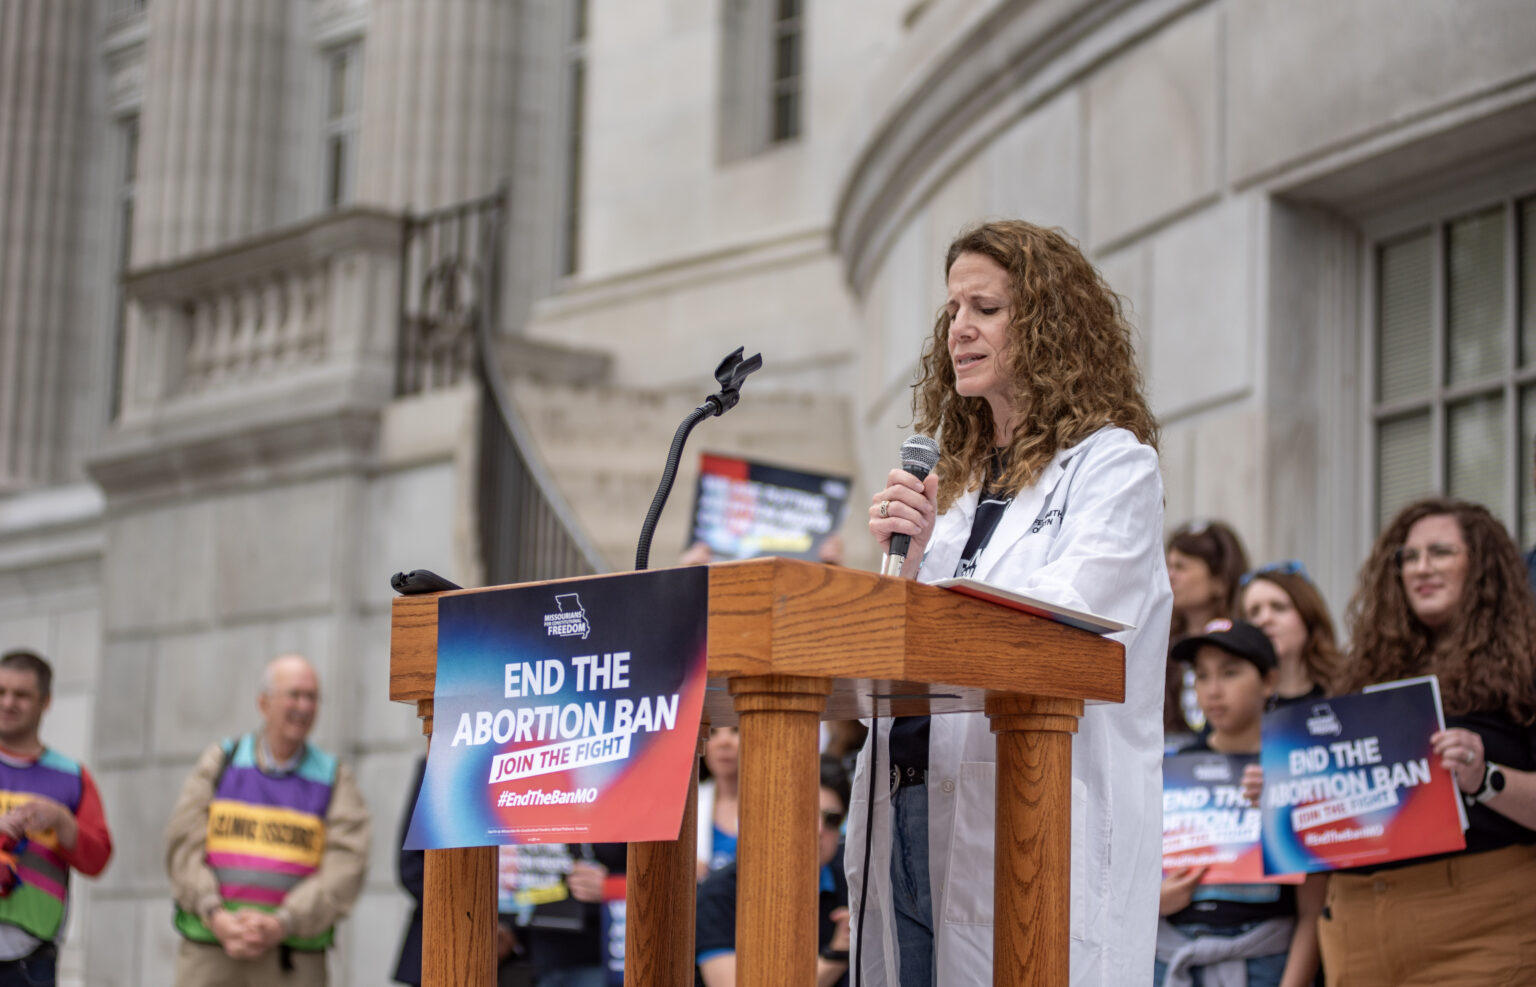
438 111
211 128
45 67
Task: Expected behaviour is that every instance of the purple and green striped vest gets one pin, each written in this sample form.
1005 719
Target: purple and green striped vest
266 833
36 903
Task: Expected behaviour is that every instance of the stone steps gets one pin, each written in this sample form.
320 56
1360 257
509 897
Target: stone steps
606 445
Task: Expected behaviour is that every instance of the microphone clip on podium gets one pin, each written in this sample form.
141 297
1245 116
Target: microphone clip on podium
733 370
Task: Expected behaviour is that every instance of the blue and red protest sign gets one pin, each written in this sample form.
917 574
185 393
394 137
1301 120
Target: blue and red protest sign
566 712
742 509
1352 782
1207 823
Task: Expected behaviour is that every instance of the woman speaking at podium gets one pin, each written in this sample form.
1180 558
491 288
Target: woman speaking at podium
1047 484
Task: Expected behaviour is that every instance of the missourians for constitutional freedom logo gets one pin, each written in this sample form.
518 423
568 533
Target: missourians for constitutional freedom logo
570 620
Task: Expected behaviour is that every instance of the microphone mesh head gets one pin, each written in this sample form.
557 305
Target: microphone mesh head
919 455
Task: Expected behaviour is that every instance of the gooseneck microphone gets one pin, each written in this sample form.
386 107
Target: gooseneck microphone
919 455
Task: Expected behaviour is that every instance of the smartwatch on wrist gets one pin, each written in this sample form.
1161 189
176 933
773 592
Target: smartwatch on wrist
1493 783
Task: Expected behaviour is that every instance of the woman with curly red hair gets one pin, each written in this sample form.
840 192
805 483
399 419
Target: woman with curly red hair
1047 484
1444 592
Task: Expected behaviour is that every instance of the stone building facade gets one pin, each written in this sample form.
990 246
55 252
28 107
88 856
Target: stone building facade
1321 214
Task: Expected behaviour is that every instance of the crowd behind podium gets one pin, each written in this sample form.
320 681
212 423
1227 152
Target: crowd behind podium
1444 590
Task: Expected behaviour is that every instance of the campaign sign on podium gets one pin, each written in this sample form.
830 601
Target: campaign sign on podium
565 712
1352 782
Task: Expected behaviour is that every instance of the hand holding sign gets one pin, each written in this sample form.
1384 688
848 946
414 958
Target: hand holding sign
1253 784
1461 753
1179 890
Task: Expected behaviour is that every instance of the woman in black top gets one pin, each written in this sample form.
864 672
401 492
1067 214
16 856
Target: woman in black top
1444 592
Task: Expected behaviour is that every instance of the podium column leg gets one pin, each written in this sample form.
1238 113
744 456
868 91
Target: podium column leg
776 852
458 934
660 892
1032 895
458 906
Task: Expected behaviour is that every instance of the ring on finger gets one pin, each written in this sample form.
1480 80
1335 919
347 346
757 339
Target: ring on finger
885 508
1468 757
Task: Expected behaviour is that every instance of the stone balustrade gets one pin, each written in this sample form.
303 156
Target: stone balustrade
315 297
257 326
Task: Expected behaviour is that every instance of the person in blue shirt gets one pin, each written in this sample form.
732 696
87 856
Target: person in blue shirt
715 937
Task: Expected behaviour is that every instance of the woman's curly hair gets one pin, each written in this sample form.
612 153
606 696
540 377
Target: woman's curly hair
1320 654
1485 658
1071 360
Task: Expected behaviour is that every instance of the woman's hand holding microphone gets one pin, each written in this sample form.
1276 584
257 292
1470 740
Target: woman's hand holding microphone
907 506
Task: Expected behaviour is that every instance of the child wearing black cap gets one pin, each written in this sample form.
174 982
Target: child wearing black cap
1270 929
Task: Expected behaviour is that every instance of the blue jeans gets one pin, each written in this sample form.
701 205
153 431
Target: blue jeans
1263 971
912 899
36 970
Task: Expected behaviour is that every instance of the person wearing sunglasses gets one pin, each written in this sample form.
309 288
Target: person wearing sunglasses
1285 604
1444 591
715 937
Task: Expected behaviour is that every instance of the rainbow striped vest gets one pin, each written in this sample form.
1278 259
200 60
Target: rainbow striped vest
266 833
36 904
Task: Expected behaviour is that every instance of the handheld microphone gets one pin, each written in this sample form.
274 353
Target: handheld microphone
919 455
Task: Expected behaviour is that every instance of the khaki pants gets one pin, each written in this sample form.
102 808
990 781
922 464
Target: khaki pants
201 965
1468 919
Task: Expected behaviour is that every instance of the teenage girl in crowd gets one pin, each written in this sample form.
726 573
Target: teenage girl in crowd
1282 601
1205 562
1264 935
1445 592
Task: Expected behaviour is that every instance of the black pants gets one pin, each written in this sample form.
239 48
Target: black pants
35 970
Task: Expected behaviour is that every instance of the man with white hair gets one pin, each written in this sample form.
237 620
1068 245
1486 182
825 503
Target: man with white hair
267 846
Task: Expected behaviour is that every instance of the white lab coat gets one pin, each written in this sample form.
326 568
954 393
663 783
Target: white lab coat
1102 552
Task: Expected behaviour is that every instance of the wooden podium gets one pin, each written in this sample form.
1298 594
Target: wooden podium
792 643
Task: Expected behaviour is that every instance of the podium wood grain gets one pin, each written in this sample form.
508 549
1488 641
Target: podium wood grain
660 889
790 642
864 631
461 883
776 854
1032 860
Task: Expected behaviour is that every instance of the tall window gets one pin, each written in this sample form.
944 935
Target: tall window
1454 405
788 35
575 121
762 75
127 182
343 81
